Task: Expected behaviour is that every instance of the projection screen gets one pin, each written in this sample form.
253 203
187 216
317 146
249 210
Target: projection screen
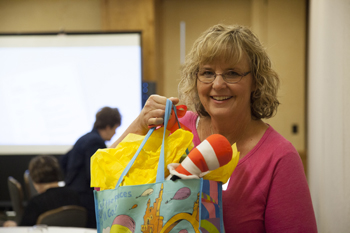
52 85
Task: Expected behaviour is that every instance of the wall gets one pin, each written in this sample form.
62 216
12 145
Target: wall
328 114
286 41
49 16
134 15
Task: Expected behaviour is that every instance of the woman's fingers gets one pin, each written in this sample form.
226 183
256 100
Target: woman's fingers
174 100
151 114
155 102
155 121
154 109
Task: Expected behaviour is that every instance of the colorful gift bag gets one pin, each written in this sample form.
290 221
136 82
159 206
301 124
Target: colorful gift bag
165 206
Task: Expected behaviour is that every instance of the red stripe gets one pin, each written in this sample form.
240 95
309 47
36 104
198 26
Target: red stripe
180 169
222 148
198 159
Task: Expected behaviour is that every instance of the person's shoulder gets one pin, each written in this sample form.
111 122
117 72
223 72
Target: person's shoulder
65 190
63 195
277 143
272 136
90 138
36 200
273 150
93 134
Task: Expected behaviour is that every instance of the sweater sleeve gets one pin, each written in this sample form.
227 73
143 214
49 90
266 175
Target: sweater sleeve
289 206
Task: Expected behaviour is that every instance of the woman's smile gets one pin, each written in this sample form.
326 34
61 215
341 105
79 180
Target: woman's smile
221 98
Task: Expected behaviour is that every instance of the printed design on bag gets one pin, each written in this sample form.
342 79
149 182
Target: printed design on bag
145 193
207 198
161 208
181 194
193 219
123 224
210 211
153 222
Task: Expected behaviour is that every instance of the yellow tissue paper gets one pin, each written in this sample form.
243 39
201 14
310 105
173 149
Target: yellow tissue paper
223 173
108 164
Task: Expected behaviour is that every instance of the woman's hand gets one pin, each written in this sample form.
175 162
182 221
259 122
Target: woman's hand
154 110
151 114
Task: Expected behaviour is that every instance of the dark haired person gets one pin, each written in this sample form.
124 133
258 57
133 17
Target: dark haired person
76 163
45 173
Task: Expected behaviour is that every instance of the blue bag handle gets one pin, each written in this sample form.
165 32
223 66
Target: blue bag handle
160 170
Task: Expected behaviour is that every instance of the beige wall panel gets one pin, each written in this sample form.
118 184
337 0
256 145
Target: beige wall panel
134 15
198 15
259 19
159 42
49 15
286 44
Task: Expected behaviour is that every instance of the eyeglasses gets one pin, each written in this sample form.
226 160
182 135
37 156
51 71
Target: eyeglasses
207 76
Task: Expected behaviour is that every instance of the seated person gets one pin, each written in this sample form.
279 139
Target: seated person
45 173
76 163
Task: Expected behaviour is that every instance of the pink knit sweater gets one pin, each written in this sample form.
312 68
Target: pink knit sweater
267 191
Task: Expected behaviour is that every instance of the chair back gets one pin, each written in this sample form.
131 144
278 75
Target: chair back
65 216
16 195
28 184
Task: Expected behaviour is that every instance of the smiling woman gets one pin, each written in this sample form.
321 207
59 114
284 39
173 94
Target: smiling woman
227 80
228 83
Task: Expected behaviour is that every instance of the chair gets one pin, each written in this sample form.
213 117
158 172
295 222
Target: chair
16 195
28 184
65 216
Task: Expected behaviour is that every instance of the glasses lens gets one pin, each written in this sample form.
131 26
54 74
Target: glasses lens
232 77
206 76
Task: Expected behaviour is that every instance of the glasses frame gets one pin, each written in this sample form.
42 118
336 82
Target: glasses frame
223 77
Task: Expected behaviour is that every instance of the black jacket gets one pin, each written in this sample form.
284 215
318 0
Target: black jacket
49 200
76 163
76 167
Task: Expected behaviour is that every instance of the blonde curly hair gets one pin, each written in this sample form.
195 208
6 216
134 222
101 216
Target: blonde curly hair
230 43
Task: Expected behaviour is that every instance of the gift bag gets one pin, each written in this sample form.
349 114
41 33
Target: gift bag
164 206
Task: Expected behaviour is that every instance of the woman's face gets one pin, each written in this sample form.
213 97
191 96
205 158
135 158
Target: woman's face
221 99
